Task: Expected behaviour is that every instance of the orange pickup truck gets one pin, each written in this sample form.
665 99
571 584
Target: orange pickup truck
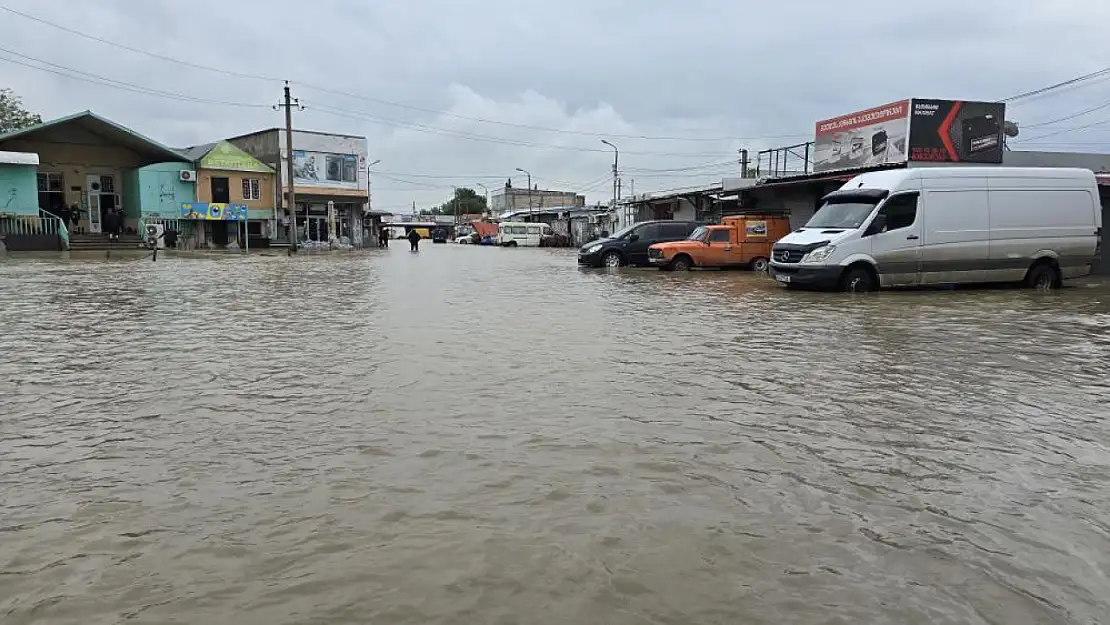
744 240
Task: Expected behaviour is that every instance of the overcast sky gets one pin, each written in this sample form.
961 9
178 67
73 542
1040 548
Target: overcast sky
718 74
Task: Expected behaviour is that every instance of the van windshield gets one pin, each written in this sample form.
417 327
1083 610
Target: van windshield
847 215
700 234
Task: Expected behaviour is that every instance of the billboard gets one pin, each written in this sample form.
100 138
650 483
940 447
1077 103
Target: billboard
876 136
325 169
953 131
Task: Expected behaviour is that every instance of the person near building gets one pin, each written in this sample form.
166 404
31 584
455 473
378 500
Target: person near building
383 237
414 240
108 224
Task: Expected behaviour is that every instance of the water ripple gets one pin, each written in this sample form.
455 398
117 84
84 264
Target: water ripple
495 436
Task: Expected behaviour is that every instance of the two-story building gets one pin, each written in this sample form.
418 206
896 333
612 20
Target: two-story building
229 178
327 168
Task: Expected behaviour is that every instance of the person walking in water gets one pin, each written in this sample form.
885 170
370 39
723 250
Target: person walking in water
414 240
383 237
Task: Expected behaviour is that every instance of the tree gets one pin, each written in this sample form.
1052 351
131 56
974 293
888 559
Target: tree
12 114
465 202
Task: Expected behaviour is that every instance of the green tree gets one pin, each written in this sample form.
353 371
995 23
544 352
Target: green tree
12 114
465 202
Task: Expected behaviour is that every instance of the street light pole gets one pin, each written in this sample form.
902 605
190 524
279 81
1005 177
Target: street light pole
525 171
616 154
486 189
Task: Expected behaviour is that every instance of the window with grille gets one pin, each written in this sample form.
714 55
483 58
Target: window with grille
252 189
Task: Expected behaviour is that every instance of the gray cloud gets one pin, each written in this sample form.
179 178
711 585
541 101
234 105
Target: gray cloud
742 73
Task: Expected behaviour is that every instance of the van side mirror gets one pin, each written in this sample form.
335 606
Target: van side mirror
877 225
632 238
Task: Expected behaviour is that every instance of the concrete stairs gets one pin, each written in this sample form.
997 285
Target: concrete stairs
100 242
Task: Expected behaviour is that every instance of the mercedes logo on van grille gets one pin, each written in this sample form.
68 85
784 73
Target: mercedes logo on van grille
784 256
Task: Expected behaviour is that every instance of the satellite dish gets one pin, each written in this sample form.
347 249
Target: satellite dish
1010 129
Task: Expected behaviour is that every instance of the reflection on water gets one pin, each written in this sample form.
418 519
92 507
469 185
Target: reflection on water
476 435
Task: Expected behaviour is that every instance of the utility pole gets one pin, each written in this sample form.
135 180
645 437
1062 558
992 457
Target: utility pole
455 205
632 187
616 184
292 209
743 163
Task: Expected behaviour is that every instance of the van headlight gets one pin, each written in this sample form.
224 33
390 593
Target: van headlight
593 249
819 255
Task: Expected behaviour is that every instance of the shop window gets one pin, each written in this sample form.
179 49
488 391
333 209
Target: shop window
51 187
334 167
350 169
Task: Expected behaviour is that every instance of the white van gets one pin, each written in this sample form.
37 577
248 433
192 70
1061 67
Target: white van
947 225
522 234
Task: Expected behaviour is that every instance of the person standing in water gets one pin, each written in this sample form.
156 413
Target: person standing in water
414 240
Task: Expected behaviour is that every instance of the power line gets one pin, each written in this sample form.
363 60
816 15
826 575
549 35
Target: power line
1073 81
236 74
136 50
418 127
1069 117
76 74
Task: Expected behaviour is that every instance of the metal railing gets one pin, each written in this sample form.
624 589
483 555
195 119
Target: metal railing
63 229
42 224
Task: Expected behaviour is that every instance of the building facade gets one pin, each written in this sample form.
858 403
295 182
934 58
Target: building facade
327 169
18 183
86 169
512 199
235 197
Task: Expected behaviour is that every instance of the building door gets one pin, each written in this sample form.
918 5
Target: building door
221 191
92 190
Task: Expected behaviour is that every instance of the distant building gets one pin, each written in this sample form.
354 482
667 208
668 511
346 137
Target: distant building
510 199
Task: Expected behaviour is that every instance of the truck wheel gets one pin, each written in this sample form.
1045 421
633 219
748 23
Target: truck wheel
681 262
857 280
760 265
612 259
1042 277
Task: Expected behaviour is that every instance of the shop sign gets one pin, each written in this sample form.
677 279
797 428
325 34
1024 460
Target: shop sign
213 211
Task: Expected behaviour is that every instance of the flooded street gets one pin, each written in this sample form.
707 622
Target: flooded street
479 435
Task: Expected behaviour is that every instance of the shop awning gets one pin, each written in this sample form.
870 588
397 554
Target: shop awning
19 158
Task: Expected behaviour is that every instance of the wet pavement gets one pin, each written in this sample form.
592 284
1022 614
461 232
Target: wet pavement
477 435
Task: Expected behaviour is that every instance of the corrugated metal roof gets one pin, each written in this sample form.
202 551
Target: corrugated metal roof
197 152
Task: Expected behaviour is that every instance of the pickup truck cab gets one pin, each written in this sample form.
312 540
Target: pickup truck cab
741 241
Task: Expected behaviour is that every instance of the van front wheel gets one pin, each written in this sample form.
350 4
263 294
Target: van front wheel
759 265
857 280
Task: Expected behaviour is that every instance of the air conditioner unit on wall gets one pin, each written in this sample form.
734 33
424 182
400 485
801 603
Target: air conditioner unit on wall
187 175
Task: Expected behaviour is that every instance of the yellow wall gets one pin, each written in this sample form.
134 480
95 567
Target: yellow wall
235 185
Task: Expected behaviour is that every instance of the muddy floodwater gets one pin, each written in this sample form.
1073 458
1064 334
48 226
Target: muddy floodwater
478 435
